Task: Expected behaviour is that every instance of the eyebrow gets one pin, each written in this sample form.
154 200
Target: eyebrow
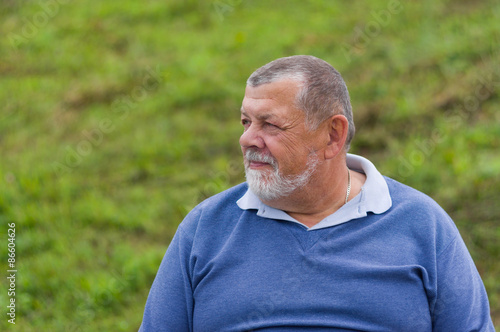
259 117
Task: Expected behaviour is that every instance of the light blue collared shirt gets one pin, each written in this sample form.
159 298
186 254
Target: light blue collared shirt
374 197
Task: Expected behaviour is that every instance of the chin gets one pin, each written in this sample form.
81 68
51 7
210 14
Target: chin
271 185
267 186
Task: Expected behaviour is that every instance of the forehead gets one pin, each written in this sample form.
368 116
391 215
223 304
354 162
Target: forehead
271 99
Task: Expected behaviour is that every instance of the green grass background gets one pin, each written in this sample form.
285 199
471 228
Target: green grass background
99 162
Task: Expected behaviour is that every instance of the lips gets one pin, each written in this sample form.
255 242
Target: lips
254 160
257 164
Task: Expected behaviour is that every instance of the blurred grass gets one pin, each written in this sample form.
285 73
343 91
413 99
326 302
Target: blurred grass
99 162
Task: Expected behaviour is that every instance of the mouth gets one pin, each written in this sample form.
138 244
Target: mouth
258 161
257 164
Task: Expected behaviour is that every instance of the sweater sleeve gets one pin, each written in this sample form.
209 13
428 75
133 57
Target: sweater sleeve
169 306
461 303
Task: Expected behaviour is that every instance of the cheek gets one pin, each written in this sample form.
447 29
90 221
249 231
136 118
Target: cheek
289 146
296 156
288 156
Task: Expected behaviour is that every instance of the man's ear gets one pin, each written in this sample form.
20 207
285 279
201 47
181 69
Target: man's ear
338 126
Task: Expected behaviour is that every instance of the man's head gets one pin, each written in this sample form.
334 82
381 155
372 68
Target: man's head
296 114
322 93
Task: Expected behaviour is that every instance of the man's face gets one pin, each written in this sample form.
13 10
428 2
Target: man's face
279 153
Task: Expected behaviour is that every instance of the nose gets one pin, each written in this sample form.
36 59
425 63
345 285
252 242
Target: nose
251 138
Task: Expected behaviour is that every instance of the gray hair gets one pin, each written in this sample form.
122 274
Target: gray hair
323 92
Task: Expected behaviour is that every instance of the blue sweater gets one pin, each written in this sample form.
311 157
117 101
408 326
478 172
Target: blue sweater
407 269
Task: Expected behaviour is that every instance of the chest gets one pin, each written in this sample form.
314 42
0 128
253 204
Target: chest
314 280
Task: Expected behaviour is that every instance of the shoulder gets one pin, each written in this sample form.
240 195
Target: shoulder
222 203
206 230
215 209
406 197
421 215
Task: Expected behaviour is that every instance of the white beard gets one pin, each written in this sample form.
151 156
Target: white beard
269 185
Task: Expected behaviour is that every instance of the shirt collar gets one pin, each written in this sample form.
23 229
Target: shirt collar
378 199
374 197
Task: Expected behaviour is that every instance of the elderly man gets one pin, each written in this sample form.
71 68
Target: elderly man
316 239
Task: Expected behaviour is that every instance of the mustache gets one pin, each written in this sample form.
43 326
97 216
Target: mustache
252 155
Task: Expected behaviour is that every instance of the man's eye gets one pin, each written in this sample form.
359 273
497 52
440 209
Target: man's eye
245 122
272 125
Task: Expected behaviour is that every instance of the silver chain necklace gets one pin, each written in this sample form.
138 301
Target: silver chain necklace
348 185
